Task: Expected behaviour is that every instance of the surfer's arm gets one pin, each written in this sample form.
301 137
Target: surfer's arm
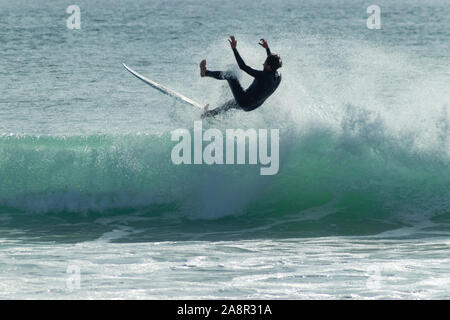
243 66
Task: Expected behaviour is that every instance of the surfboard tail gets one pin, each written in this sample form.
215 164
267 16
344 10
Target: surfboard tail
164 89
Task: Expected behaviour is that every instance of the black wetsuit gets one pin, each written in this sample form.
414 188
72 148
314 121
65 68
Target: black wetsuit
265 83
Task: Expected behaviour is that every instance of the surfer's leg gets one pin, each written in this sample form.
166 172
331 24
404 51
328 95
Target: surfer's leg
233 82
225 107
236 89
219 75
215 74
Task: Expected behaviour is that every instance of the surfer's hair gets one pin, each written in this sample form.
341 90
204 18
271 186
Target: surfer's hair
274 61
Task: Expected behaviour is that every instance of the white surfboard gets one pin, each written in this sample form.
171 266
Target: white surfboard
164 89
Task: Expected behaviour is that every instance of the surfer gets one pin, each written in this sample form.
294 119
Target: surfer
265 83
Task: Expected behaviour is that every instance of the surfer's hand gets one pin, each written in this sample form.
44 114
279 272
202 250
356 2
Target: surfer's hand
263 43
232 42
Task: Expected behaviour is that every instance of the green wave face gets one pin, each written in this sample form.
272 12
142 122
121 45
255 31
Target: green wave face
328 184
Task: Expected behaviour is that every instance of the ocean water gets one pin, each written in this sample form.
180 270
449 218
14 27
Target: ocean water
92 207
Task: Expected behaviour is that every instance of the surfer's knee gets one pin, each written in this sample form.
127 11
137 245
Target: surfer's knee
229 76
248 107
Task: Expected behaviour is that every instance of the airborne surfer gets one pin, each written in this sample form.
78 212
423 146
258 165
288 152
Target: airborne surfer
265 83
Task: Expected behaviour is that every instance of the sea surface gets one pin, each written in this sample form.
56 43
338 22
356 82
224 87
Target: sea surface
92 207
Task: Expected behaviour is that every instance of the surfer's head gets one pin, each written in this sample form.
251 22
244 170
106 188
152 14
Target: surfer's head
272 63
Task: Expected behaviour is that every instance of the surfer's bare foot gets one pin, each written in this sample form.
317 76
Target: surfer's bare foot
206 110
202 68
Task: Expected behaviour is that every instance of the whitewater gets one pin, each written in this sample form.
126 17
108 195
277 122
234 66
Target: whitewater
92 207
